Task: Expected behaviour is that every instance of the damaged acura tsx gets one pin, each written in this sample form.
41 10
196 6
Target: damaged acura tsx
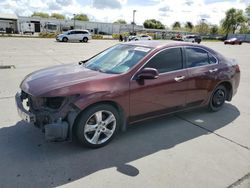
127 83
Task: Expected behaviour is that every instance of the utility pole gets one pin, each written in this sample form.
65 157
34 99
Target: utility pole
202 26
74 21
134 21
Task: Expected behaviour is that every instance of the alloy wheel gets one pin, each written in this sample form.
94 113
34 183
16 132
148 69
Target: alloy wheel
100 127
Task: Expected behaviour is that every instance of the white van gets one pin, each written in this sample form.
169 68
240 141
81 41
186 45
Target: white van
74 35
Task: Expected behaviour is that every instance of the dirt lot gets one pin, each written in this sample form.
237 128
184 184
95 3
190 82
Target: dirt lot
191 149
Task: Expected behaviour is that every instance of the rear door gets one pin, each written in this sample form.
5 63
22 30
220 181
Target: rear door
164 94
202 69
85 34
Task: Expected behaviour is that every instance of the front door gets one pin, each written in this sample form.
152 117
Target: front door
161 95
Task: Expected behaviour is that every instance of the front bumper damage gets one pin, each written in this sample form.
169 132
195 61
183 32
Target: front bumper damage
55 122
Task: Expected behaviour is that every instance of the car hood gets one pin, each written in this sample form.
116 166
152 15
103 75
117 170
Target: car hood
41 82
60 35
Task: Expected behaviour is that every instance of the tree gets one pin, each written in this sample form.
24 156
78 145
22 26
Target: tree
214 30
40 14
248 12
189 26
234 18
153 24
176 26
202 27
81 17
244 29
120 21
57 16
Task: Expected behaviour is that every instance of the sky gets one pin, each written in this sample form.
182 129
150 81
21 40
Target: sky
166 11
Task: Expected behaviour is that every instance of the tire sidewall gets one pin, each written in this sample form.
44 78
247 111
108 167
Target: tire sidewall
65 39
85 39
84 117
211 106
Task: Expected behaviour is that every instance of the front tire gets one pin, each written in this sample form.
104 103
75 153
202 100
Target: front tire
65 39
218 98
97 126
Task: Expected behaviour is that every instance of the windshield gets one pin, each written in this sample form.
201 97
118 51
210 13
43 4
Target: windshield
117 59
66 33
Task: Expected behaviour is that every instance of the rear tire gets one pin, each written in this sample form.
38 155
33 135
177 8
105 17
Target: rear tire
217 98
97 125
85 39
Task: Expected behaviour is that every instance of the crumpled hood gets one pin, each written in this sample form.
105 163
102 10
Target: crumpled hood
46 80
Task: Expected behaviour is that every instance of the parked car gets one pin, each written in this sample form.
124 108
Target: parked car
141 37
124 84
2 30
74 35
132 38
192 38
177 37
233 41
145 37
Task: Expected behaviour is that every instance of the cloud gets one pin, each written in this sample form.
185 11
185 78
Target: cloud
102 4
165 9
204 16
54 6
189 2
64 2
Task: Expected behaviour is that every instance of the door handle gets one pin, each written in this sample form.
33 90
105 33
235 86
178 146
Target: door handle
213 70
179 78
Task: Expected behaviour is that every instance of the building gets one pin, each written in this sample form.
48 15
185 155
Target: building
22 24
8 23
51 24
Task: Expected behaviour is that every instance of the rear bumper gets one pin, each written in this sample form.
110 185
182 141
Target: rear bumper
22 112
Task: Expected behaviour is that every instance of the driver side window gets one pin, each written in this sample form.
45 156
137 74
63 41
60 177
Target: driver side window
167 60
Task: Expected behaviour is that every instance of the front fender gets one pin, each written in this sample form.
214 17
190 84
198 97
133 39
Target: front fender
86 100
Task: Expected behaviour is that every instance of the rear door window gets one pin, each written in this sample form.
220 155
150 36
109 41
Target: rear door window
196 57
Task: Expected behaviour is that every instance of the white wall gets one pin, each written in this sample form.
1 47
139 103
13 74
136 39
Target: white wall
102 27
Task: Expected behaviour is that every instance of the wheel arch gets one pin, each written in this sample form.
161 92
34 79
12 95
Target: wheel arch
65 38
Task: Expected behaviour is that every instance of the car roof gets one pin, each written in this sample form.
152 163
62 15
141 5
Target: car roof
78 30
162 44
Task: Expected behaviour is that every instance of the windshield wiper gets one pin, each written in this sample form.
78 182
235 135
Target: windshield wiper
82 62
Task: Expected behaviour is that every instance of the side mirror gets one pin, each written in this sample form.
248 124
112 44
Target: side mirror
148 73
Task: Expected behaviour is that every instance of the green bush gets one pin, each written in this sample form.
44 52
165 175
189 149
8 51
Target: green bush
47 35
97 37
117 35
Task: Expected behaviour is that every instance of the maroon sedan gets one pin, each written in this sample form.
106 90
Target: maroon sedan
122 85
233 41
